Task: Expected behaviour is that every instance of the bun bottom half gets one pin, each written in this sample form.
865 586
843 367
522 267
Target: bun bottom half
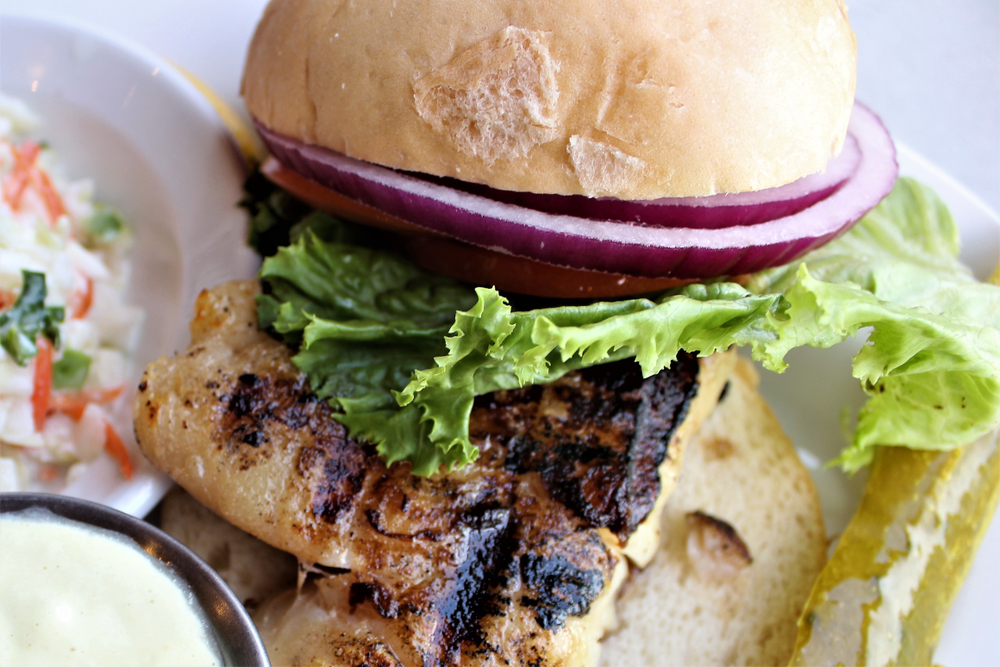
698 603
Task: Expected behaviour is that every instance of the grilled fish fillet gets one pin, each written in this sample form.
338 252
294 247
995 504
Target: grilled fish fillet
512 560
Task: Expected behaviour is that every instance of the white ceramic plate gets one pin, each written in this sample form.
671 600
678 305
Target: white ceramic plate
808 399
159 154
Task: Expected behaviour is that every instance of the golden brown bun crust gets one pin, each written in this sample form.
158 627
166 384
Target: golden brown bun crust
637 99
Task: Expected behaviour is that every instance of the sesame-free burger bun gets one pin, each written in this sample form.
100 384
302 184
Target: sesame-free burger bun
636 99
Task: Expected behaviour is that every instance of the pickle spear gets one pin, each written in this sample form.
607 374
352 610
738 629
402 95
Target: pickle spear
884 595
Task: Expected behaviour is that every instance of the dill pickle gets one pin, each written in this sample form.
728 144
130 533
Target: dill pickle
884 595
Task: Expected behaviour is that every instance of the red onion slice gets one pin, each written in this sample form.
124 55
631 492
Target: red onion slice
713 212
603 245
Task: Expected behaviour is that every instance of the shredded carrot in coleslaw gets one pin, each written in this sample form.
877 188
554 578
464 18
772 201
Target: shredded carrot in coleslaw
26 173
53 202
41 394
116 448
24 160
74 403
82 300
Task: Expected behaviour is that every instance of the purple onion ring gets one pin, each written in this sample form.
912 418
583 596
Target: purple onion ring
687 252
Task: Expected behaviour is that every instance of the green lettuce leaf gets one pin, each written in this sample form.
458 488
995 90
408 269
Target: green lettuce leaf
492 347
372 332
931 365
364 320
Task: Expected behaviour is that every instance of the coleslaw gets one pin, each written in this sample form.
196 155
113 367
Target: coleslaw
66 330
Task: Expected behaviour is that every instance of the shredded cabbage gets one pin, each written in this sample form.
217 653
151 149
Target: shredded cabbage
63 276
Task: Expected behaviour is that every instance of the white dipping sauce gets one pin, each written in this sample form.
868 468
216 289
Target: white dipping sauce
72 594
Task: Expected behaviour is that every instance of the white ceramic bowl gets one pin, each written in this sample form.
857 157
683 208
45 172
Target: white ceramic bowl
157 152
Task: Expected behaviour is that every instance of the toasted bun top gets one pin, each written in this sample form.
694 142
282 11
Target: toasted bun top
636 99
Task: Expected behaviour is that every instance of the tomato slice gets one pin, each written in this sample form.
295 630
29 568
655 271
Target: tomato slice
335 203
521 275
466 262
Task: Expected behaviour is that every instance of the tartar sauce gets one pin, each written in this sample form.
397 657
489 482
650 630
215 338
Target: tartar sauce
73 594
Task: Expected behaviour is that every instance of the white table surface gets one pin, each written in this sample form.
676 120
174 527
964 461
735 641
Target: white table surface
930 68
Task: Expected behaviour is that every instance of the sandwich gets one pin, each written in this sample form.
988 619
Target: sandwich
519 244
742 543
